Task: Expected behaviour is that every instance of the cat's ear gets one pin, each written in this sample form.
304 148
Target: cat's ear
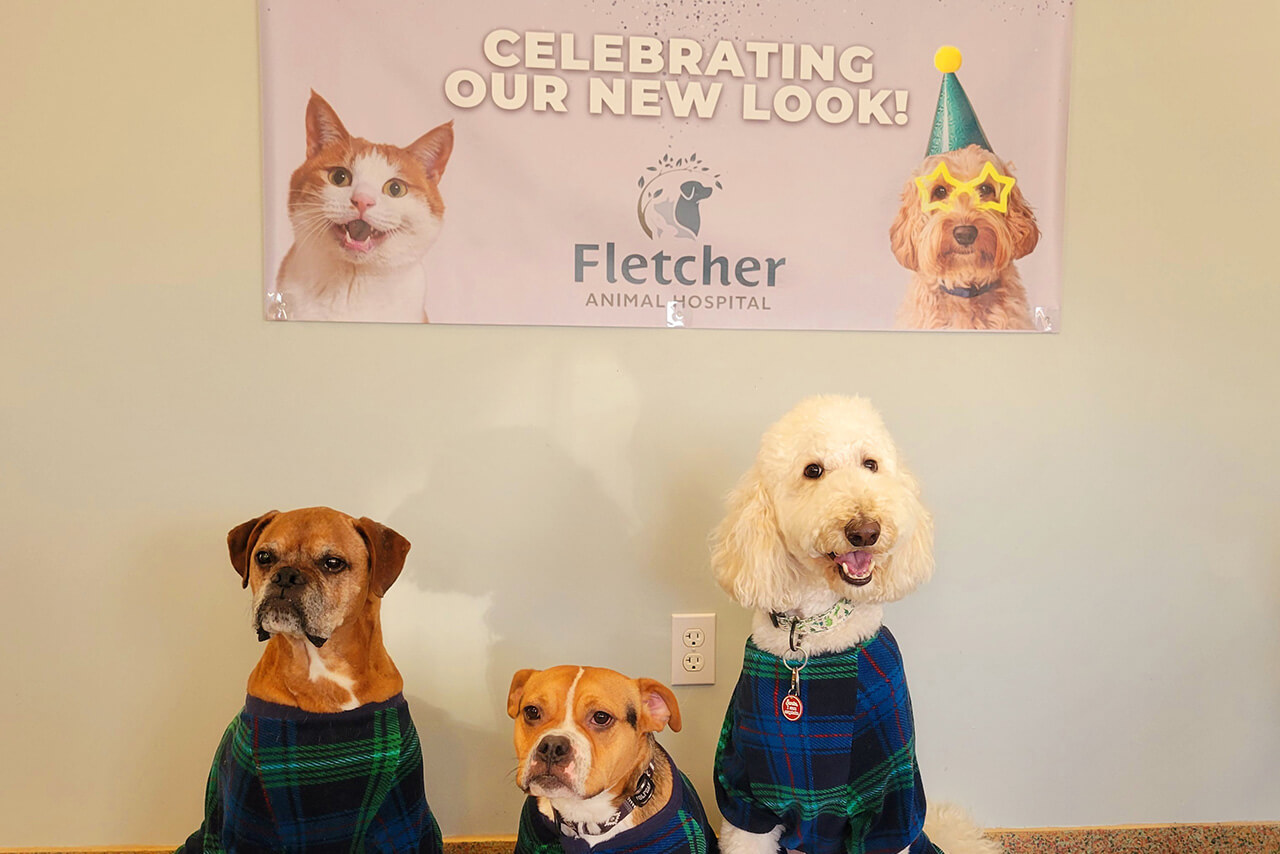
433 149
323 125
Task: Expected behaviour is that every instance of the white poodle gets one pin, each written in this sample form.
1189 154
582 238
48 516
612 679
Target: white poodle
817 753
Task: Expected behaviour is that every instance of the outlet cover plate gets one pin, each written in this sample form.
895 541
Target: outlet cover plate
696 634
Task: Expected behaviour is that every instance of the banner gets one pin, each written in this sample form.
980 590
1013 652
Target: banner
787 165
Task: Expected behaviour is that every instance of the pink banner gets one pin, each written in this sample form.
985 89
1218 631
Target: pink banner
788 165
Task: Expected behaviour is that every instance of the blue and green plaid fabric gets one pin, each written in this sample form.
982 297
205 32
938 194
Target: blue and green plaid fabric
288 780
843 778
680 827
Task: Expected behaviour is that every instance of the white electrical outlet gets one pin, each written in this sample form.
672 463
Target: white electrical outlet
693 649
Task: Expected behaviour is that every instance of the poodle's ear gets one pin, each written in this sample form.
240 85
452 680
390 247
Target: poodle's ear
1024 234
902 233
913 560
748 557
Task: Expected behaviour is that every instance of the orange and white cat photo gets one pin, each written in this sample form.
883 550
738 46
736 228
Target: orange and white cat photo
364 215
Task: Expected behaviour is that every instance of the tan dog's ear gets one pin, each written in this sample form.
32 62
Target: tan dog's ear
387 551
1024 234
517 691
660 706
241 540
902 233
748 557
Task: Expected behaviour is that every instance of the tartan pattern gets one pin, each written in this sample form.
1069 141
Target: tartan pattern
844 777
287 780
680 827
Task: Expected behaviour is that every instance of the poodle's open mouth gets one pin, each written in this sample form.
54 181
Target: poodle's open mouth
854 567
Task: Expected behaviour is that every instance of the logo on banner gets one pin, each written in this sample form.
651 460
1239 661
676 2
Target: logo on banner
672 193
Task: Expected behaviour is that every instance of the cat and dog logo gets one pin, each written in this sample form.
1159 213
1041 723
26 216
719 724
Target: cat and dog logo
672 191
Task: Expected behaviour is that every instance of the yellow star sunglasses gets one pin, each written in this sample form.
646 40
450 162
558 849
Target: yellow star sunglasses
989 191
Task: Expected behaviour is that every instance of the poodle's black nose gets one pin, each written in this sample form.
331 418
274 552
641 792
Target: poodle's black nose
965 234
862 534
554 750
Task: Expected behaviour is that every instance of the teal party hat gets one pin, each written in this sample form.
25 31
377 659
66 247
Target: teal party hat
955 125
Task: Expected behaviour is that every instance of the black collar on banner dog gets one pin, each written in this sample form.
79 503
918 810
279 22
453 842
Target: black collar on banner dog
970 293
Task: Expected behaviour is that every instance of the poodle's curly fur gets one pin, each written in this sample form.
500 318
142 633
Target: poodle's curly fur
925 243
774 549
780 546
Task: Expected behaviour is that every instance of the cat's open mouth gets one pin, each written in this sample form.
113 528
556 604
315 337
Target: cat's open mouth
359 236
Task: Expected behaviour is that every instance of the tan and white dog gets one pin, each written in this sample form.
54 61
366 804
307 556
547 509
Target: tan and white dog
318 577
595 775
825 528
324 753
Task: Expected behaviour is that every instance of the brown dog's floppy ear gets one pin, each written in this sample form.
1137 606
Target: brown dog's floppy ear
387 551
240 542
660 706
517 691
1023 231
902 233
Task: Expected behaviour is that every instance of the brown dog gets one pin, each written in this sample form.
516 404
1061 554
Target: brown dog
596 777
960 237
318 577
324 754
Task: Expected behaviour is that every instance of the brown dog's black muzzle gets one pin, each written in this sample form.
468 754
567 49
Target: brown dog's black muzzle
965 235
289 582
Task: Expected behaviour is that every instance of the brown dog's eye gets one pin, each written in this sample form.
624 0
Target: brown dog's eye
264 557
531 713
813 471
871 465
334 564
939 193
986 191
602 719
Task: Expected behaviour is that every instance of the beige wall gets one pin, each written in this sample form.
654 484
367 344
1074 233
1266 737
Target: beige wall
1100 644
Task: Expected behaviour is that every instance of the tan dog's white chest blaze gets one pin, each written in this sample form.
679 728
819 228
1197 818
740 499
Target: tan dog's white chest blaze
584 735
317 578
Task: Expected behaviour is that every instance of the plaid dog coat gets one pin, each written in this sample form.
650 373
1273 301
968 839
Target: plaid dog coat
680 827
288 780
843 778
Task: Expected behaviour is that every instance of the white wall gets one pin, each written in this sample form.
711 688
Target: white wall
1100 644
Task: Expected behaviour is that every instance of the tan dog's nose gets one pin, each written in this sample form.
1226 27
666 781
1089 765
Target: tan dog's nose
554 750
287 576
861 534
965 234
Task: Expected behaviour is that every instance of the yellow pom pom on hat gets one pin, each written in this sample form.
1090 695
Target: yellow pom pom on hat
947 59
955 124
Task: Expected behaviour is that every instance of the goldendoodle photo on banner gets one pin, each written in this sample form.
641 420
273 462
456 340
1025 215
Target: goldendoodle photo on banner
889 164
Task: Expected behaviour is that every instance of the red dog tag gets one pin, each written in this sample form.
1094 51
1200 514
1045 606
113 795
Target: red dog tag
792 708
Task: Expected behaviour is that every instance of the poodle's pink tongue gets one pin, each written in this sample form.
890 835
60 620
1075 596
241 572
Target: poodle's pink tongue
855 566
